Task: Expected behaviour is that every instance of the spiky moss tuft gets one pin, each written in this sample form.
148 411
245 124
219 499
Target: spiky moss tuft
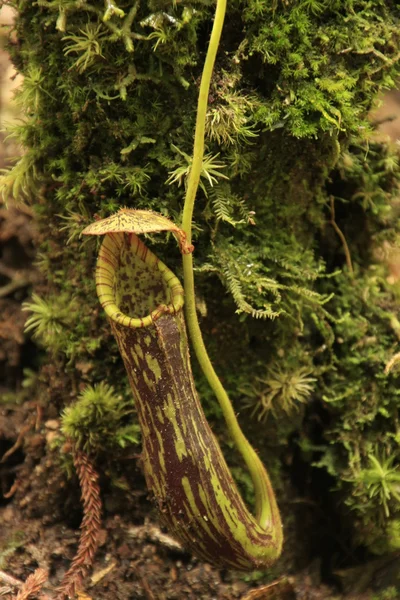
100 419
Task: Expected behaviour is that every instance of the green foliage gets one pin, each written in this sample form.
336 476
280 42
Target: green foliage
87 45
380 482
99 420
227 207
241 287
34 87
9 546
229 118
210 170
246 273
280 391
314 93
390 593
21 181
54 323
28 385
50 319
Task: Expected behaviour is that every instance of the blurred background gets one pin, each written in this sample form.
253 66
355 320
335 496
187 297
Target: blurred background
9 81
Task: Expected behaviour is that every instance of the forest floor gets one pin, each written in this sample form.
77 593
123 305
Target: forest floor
40 508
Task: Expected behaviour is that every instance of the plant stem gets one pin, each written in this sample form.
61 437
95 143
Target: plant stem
342 238
267 513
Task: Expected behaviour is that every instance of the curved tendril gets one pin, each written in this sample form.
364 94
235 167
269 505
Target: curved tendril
267 512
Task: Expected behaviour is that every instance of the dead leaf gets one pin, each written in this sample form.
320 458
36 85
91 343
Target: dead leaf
278 590
99 575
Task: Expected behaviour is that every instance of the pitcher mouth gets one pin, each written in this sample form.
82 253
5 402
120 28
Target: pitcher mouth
131 281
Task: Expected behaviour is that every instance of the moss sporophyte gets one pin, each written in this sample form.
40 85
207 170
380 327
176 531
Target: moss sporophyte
183 464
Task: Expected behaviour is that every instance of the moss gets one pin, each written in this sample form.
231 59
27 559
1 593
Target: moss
389 594
10 546
109 110
99 420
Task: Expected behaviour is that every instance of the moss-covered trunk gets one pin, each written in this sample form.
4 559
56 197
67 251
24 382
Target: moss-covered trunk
296 222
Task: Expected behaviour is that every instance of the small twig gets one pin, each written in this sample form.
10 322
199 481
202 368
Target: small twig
13 286
7 271
154 534
39 416
392 362
146 588
342 238
9 580
383 120
18 443
18 280
33 584
145 584
12 489
99 575
90 526
18 205
281 588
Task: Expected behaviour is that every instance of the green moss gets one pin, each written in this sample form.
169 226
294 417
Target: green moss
390 593
9 546
99 420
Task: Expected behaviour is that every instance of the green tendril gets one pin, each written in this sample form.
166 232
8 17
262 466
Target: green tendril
266 508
